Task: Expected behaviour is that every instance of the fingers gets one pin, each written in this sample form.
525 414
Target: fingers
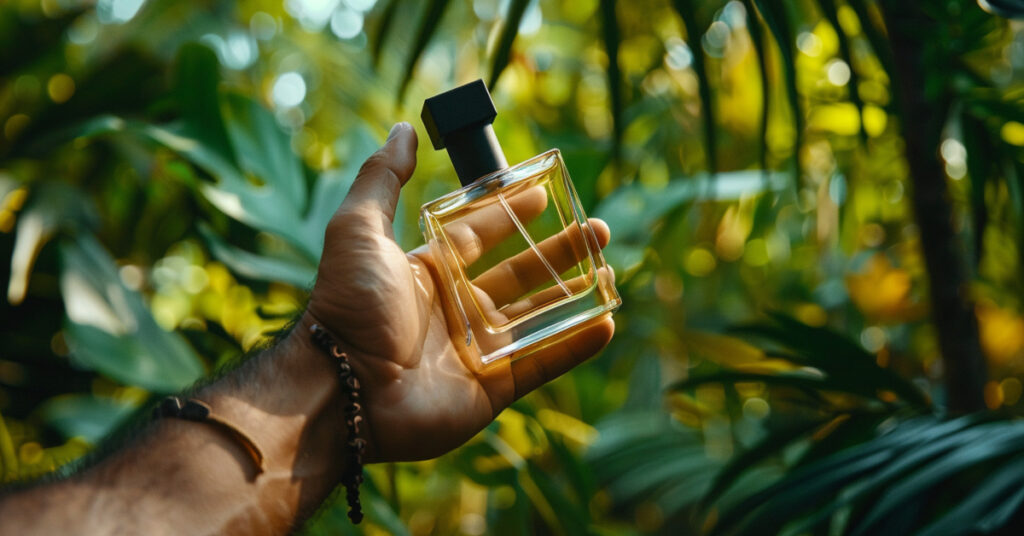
520 274
551 362
479 231
555 293
383 174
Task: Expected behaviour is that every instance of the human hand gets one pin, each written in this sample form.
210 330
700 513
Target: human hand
422 398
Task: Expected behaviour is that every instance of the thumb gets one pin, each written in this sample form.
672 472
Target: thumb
380 179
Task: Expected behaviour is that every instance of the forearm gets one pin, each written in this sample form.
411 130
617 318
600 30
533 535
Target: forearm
194 478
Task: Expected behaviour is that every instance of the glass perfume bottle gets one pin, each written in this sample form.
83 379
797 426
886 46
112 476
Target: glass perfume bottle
520 265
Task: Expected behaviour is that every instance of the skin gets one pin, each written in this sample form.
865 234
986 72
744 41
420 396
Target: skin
423 393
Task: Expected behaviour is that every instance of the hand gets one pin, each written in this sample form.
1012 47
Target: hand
421 396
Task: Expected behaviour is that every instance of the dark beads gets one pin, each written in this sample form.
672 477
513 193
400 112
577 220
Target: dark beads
353 419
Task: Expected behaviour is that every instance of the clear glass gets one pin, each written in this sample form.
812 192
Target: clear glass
520 266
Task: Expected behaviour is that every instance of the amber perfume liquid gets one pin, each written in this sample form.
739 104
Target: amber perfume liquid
521 266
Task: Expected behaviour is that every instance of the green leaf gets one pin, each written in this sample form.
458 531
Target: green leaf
332 186
982 158
830 474
259 267
429 24
757 39
1000 492
110 329
773 442
258 206
876 36
777 19
264 149
985 442
645 455
842 360
27 38
572 517
86 416
197 76
694 34
611 40
802 381
51 206
8 459
507 36
387 19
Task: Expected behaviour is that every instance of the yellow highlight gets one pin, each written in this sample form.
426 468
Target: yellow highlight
811 314
875 120
30 453
699 262
1011 388
569 426
837 118
14 125
6 221
60 88
15 199
849 20
882 291
1002 333
1013 133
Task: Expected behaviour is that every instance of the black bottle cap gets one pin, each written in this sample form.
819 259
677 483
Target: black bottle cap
459 120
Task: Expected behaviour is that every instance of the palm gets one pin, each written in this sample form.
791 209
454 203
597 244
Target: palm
423 396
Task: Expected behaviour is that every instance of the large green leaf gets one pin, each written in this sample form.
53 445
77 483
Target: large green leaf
51 206
264 150
770 444
840 358
991 441
387 19
428 26
110 329
646 456
259 267
197 76
888 479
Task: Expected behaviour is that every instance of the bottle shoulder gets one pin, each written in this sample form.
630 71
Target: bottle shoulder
541 164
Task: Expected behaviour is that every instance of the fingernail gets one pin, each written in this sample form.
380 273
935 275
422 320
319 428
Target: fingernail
395 129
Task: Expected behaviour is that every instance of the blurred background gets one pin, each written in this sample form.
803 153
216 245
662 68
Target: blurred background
816 207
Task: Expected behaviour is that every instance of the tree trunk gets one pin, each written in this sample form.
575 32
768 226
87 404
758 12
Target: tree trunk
924 104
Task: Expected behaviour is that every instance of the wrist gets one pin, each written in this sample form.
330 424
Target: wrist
288 399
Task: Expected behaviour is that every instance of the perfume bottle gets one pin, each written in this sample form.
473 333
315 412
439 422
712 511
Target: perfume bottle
520 265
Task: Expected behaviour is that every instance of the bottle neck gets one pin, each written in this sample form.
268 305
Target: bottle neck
475 152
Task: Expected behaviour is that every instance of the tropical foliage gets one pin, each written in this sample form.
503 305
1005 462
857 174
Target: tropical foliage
817 213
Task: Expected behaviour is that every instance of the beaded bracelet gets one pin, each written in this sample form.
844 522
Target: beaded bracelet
353 418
